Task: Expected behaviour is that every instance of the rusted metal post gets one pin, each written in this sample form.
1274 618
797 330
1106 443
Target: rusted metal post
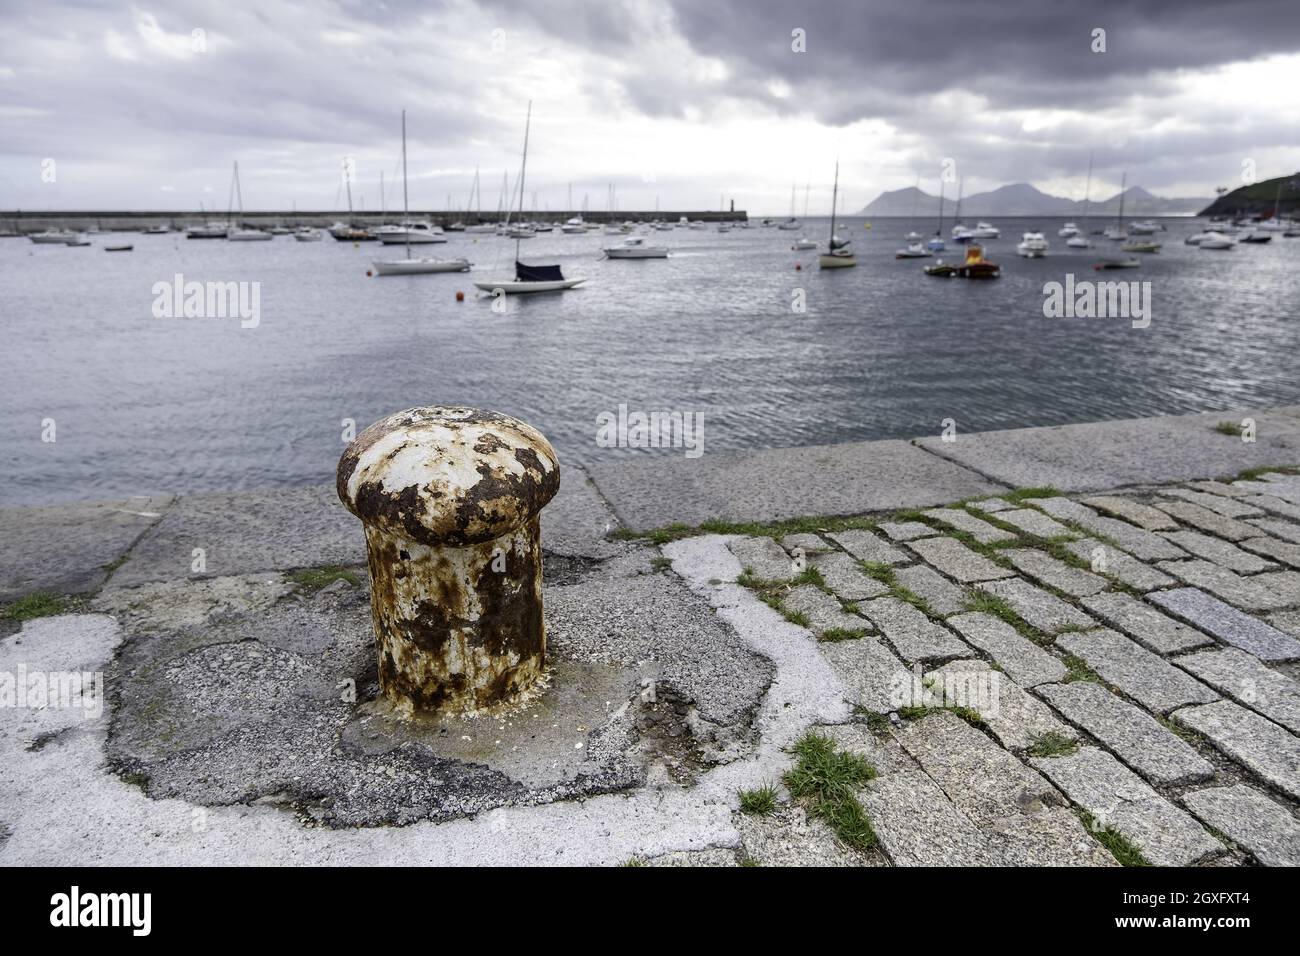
450 498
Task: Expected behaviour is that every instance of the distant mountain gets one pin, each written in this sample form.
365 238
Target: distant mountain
1022 199
1259 198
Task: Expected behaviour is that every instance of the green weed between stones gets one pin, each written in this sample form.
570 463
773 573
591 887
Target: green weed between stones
313 579
758 802
1114 841
1254 474
753 529
1228 428
1076 670
36 604
826 780
1052 744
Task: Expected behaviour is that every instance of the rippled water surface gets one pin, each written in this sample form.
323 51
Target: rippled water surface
143 404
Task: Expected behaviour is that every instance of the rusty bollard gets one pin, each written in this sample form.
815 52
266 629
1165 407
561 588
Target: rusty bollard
451 500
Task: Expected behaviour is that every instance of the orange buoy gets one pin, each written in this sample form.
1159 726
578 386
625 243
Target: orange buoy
368 273
460 296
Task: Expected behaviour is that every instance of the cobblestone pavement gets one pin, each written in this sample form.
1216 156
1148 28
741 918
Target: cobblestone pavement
1041 678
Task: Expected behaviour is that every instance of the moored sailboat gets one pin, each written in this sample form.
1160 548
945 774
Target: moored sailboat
838 255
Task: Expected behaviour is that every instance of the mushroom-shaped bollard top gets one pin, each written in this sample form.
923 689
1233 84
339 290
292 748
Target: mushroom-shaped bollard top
450 498
448 475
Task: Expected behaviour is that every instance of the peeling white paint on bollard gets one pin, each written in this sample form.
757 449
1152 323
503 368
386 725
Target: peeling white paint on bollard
450 498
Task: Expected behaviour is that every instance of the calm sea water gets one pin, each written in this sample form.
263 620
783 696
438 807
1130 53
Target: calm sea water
142 404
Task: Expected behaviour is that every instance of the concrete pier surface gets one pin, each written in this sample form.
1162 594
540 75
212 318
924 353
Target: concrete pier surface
1074 645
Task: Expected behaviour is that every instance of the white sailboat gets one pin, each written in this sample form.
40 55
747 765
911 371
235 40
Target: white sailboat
791 224
529 278
1118 232
239 233
414 265
914 249
838 255
1076 239
936 244
634 247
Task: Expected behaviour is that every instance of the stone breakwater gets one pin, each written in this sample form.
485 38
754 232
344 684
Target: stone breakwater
1134 588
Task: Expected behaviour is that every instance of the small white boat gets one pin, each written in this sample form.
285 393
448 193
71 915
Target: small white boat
524 231
418 265
936 244
574 226
1140 245
1144 227
986 230
211 230
160 230
634 247
699 225
1272 225
122 247
412 231
307 234
1068 230
52 237
1217 241
914 250
1032 245
279 230
802 243
1116 233
240 234
961 235
790 225
1078 242
724 227
479 228
838 255
77 239
662 226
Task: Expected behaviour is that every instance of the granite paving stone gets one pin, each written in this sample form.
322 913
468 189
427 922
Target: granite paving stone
1117 564
1245 592
1015 718
876 679
823 611
906 530
1139 514
1142 544
1250 682
1264 748
981 531
1118 799
764 557
866 546
1228 507
1227 624
1219 552
1146 625
1039 608
1249 818
1279 528
1148 679
1216 488
1035 523
1024 661
1134 735
1206 520
1285 584
914 636
1045 569
992 505
1284 551
942 595
918 825
984 781
807 542
958 561
1274 504
845 577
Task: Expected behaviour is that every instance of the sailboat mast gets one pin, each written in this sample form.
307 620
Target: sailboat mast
835 196
1087 190
1123 188
523 171
406 209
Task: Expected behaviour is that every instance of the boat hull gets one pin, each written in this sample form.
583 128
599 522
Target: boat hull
526 288
616 253
411 267
836 262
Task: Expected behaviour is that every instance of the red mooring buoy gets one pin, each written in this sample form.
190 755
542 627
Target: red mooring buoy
798 267
368 273
460 296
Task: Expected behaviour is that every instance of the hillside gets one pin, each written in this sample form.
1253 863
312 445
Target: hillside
1023 199
1258 199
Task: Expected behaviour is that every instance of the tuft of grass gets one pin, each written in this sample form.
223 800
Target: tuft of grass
876 722
313 579
1076 669
1000 608
971 716
36 604
1228 428
1254 474
1124 852
1021 494
758 802
810 575
754 529
826 780
661 563
914 711
747 860
833 635
1052 744
635 861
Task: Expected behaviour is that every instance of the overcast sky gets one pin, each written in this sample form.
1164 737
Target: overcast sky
146 105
